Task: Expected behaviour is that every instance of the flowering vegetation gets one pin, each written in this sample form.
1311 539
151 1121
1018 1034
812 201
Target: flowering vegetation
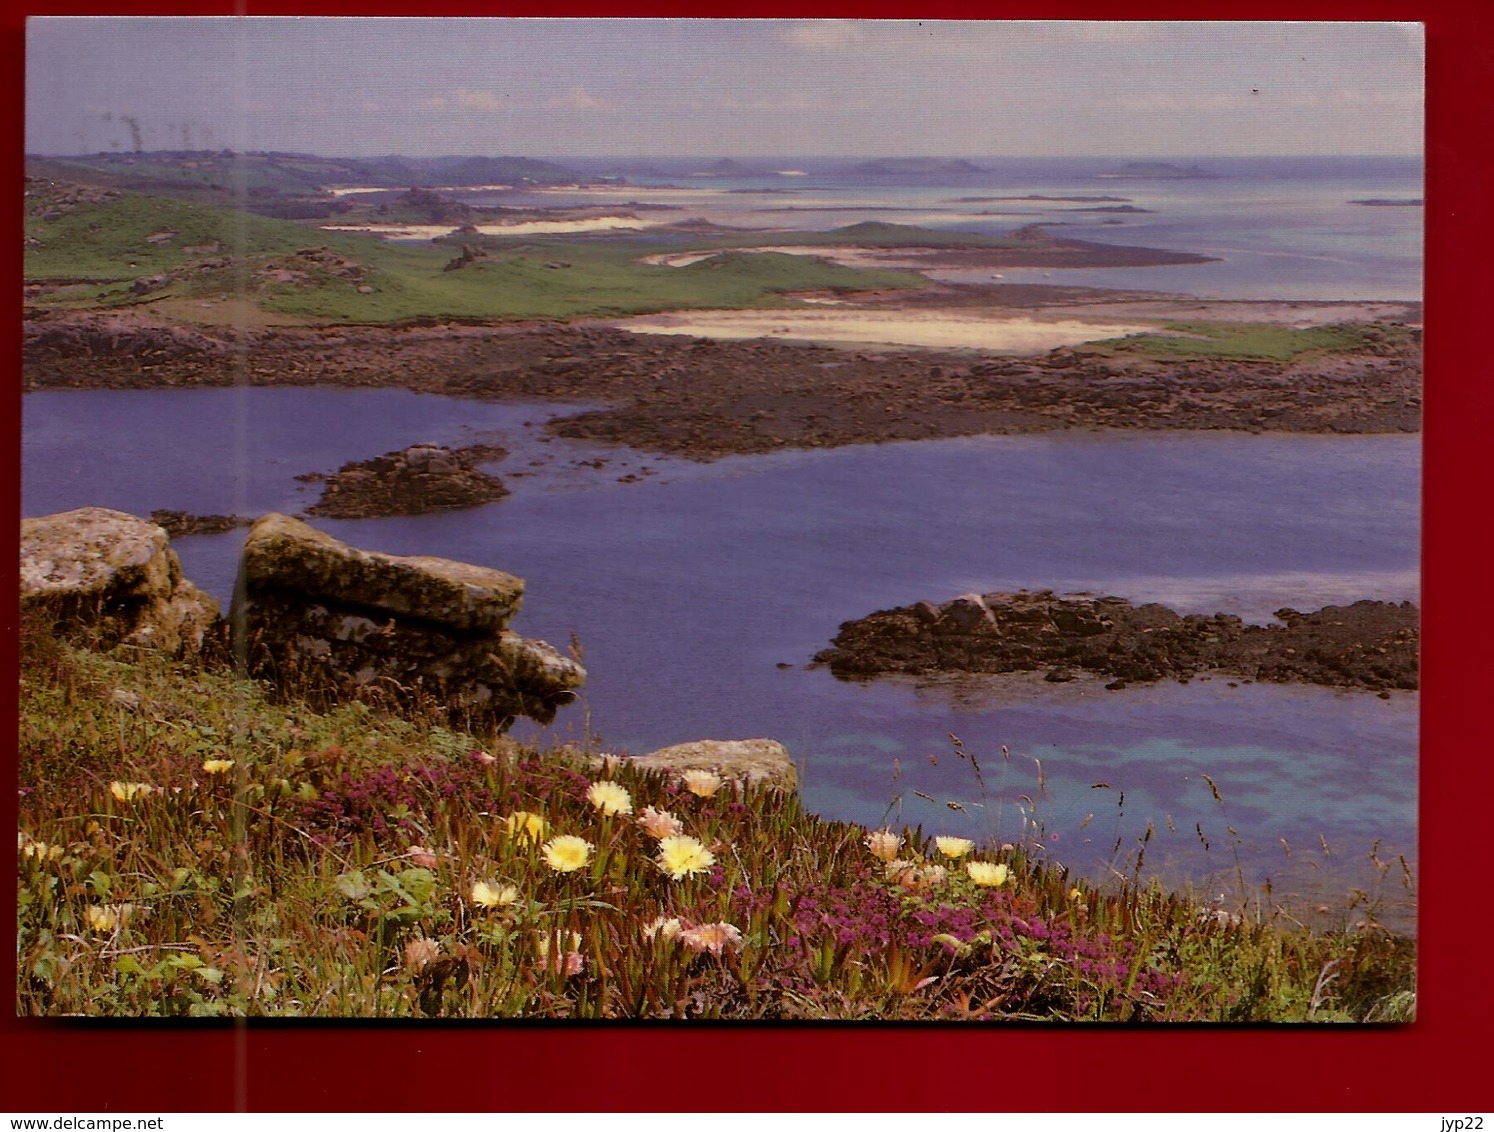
207 851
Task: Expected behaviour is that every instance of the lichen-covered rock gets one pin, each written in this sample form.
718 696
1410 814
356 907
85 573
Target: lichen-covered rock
286 554
106 577
316 614
757 762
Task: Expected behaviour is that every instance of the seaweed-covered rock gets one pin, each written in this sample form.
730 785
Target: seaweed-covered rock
178 524
421 478
1369 644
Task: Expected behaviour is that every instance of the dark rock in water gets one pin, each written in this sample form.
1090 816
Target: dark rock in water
321 617
421 478
1370 644
179 523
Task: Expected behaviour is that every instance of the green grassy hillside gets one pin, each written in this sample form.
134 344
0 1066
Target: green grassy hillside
126 249
194 845
1257 340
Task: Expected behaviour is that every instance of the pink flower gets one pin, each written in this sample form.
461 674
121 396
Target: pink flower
884 844
711 937
560 952
659 824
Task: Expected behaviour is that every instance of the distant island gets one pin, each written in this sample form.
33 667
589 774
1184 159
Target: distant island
913 167
1160 171
1380 202
727 167
1039 196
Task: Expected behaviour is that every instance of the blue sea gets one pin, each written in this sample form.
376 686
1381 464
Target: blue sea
700 592
1280 228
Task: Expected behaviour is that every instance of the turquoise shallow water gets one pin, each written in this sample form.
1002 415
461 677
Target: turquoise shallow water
689 590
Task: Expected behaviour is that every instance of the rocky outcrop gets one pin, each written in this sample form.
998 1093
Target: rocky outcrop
1370 644
313 613
105 578
705 399
755 762
421 478
178 524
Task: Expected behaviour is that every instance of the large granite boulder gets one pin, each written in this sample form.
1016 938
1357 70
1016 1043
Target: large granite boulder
105 578
312 612
757 762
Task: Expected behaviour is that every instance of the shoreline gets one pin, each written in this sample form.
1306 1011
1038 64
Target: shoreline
702 398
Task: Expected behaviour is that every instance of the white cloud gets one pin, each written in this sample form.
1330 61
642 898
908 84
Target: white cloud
477 100
579 98
771 105
1112 31
826 35
1275 97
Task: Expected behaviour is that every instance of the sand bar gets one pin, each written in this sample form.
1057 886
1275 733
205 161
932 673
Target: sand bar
881 258
522 228
961 330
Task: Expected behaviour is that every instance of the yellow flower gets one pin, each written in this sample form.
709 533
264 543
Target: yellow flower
954 847
684 856
987 875
40 850
666 929
218 766
566 854
129 791
104 918
884 844
488 896
522 823
701 783
659 824
711 937
1076 893
610 798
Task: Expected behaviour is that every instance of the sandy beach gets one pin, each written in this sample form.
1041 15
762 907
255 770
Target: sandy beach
937 329
522 228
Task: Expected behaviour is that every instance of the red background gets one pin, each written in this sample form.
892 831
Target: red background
1440 1063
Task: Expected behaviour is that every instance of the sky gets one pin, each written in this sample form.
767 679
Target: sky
353 87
